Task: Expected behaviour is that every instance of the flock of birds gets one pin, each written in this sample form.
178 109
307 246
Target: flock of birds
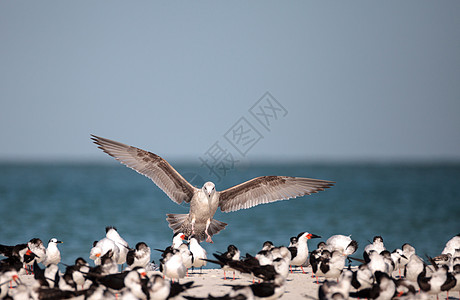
381 275
140 279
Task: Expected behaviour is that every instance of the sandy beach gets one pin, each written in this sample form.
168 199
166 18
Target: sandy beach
210 281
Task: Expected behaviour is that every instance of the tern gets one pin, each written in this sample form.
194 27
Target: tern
205 201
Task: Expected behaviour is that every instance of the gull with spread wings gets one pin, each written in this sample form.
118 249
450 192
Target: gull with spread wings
205 201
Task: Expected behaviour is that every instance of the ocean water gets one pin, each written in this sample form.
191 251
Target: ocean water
414 203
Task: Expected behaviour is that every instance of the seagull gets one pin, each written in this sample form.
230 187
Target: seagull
53 255
205 201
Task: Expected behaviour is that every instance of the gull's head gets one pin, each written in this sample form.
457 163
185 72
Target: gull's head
54 241
209 189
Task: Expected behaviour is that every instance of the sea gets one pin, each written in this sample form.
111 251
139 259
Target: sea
415 203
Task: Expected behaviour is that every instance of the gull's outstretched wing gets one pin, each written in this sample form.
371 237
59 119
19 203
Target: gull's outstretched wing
150 165
268 189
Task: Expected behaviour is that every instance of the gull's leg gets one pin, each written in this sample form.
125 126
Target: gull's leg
208 239
193 224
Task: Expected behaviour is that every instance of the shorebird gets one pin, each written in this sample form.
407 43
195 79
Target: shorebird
112 233
74 274
332 267
342 287
36 246
377 245
7 275
53 255
413 268
452 245
439 281
343 243
102 247
178 239
299 252
383 289
199 253
205 201
139 256
363 278
232 253
172 265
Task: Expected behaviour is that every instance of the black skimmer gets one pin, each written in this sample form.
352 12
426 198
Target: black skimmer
377 262
112 233
74 274
342 287
7 277
456 273
38 248
299 253
332 267
159 288
439 281
293 241
100 248
204 202
172 265
135 285
452 245
17 256
377 245
267 245
363 278
187 257
383 289
139 256
264 290
199 253
443 259
342 243
413 268
232 253
178 239
399 259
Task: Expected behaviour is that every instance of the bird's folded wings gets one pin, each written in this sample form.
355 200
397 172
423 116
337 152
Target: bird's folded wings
150 165
268 189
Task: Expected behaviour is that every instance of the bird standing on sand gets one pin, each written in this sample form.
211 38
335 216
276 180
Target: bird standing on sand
299 253
205 201
199 253
139 256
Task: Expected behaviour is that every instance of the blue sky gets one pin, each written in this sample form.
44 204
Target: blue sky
357 79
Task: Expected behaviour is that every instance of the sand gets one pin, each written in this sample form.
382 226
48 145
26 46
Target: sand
210 281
